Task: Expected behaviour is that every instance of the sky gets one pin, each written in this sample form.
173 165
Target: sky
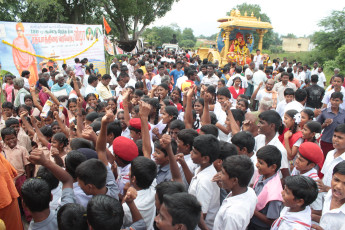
299 17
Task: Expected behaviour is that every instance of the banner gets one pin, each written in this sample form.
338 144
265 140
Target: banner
108 45
34 46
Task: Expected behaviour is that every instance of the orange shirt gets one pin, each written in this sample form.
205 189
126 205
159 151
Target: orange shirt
149 76
8 190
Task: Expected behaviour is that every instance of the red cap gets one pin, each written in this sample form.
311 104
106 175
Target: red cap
136 123
312 152
125 148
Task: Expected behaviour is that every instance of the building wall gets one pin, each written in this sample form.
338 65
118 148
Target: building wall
296 44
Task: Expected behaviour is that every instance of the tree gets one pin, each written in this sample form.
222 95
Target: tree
270 36
332 37
290 35
187 34
127 15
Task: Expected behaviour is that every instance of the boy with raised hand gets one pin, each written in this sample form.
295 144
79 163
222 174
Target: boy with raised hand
298 194
95 176
239 205
37 195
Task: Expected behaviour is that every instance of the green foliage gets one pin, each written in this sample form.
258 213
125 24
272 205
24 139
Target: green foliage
187 34
211 38
156 36
187 44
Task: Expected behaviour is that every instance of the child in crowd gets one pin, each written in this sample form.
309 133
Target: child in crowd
267 187
239 205
311 131
298 194
289 95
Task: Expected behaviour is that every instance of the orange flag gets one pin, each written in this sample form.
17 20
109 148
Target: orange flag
106 25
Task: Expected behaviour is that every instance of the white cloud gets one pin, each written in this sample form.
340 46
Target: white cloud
299 17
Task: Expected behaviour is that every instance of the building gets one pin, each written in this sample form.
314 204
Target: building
297 44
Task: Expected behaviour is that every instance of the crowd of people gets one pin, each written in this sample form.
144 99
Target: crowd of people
169 141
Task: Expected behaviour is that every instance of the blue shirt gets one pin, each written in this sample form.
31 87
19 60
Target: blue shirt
176 74
338 119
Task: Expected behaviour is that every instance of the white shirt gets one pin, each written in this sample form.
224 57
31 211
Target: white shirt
145 203
243 79
328 166
293 220
180 80
258 77
221 117
254 160
281 108
301 77
322 79
207 192
258 60
327 98
236 211
132 82
314 71
247 73
156 80
332 219
262 93
90 89
294 105
213 80
123 177
126 133
131 71
80 196
260 142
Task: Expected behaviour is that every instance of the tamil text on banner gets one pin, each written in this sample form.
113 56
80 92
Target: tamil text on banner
34 46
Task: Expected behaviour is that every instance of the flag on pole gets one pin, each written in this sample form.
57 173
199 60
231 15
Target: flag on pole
106 25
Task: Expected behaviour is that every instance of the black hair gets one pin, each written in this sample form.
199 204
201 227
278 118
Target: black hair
244 139
93 172
169 188
158 146
309 112
187 136
139 85
314 127
144 170
339 76
91 116
72 217
271 155
43 82
7 131
105 213
73 159
71 100
47 131
90 95
207 145
271 117
240 167
339 168
106 76
92 78
245 101
183 208
172 111
291 113
61 138
340 128
48 176
224 91
213 117
11 121
177 124
289 91
238 115
302 187
154 102
36 194
226 149
210 129
139 93
114 128
300 95
7 105
139 144
336 95
28 97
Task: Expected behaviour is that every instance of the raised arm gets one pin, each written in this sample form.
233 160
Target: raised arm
165 142
37 157
206 118
75 84
28 126
101 145
125 103
256 91
80 125
188 115
35 98
40 135
54 99
144 111
129 198
62 125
